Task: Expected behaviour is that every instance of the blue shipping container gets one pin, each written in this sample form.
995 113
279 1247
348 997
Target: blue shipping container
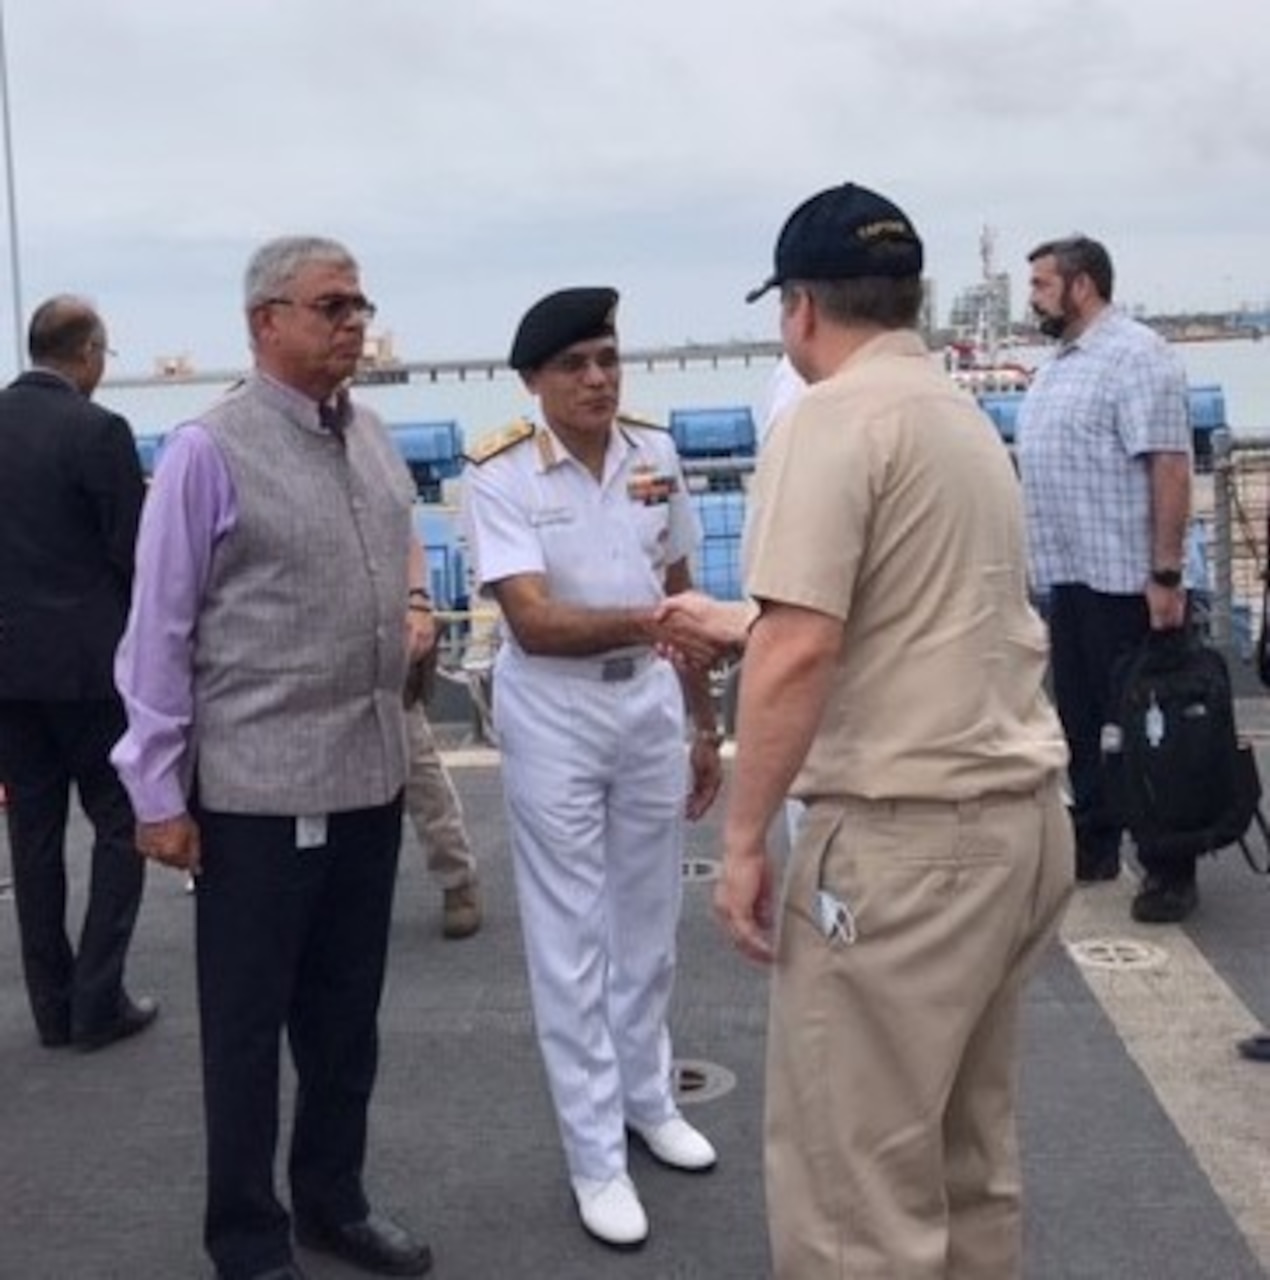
713 433
1208 407
148 449
432 450
1003 408
718 565
438 529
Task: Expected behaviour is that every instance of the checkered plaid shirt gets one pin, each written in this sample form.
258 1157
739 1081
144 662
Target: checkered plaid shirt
1089 420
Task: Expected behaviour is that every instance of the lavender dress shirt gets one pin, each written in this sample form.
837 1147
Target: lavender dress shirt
191 506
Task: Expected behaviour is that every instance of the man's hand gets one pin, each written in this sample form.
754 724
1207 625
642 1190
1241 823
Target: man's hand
696 631
707 776
422 633
173 842
744 901
1167 606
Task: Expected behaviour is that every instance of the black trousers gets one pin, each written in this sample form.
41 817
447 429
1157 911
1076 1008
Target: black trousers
45 747
1090 631
292 938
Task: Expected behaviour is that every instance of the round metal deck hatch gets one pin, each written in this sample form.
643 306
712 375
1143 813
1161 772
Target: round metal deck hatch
698 1081
700 870
1121 954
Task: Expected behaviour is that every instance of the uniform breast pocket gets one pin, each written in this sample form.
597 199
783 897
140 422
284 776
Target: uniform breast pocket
652 528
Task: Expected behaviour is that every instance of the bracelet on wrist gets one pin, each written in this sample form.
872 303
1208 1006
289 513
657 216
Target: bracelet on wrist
714 737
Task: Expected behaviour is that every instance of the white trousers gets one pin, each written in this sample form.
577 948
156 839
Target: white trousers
595 778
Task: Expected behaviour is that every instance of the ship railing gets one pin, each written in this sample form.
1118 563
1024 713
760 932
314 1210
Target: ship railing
466 647
1231 505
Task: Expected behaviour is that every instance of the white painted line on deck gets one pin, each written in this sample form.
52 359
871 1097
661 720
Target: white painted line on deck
1179 1022
469 757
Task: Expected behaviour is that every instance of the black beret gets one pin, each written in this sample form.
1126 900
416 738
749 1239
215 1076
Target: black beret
841 234
558 321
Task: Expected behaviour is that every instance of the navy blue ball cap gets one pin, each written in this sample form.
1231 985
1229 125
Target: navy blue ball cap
844 233
558 321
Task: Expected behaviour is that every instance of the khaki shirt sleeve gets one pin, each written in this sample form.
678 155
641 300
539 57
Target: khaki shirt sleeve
811 509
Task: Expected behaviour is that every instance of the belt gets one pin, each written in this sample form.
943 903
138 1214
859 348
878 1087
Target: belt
614 669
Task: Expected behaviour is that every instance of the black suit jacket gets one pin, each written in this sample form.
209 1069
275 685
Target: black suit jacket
71 490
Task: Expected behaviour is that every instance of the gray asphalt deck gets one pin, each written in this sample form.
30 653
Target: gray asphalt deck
101 1155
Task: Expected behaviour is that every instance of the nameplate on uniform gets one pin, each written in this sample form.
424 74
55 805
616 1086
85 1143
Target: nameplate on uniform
310 831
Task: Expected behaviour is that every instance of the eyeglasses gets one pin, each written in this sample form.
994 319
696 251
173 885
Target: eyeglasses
575 363
335 308
98 346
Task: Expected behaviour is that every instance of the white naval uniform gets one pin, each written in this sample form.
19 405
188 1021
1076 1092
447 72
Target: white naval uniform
594 775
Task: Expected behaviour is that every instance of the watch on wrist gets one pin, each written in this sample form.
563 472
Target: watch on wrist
1170 578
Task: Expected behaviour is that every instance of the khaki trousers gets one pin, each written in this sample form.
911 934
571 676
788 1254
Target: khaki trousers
891 1073
435 811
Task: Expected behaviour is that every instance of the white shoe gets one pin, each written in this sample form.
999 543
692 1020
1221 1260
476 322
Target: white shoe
676 1143
610 1210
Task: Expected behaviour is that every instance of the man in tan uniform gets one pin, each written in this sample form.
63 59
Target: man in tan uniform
892 681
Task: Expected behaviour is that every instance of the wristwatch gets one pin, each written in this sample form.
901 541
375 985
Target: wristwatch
1170 578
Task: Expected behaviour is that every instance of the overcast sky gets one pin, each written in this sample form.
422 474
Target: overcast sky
476 153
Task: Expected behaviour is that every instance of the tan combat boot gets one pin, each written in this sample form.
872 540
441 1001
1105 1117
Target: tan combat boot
461 911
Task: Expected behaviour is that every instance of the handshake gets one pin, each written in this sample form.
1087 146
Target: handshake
696 632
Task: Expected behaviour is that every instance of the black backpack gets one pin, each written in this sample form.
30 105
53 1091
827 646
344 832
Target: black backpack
1178 775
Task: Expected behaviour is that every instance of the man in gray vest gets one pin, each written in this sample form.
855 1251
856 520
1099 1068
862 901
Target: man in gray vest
262 671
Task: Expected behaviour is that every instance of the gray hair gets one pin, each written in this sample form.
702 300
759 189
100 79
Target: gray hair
275 264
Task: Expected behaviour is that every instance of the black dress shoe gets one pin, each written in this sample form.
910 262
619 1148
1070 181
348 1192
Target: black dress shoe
134 1017
374 1244
1255 1048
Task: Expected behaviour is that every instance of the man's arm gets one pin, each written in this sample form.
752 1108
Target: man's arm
545 625
191 506
707 771
789 665
1170 476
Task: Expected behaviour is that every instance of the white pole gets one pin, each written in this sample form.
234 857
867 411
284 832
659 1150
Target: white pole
11 190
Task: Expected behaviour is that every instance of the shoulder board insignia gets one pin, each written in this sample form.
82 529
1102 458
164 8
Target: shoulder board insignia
633 420
500 441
